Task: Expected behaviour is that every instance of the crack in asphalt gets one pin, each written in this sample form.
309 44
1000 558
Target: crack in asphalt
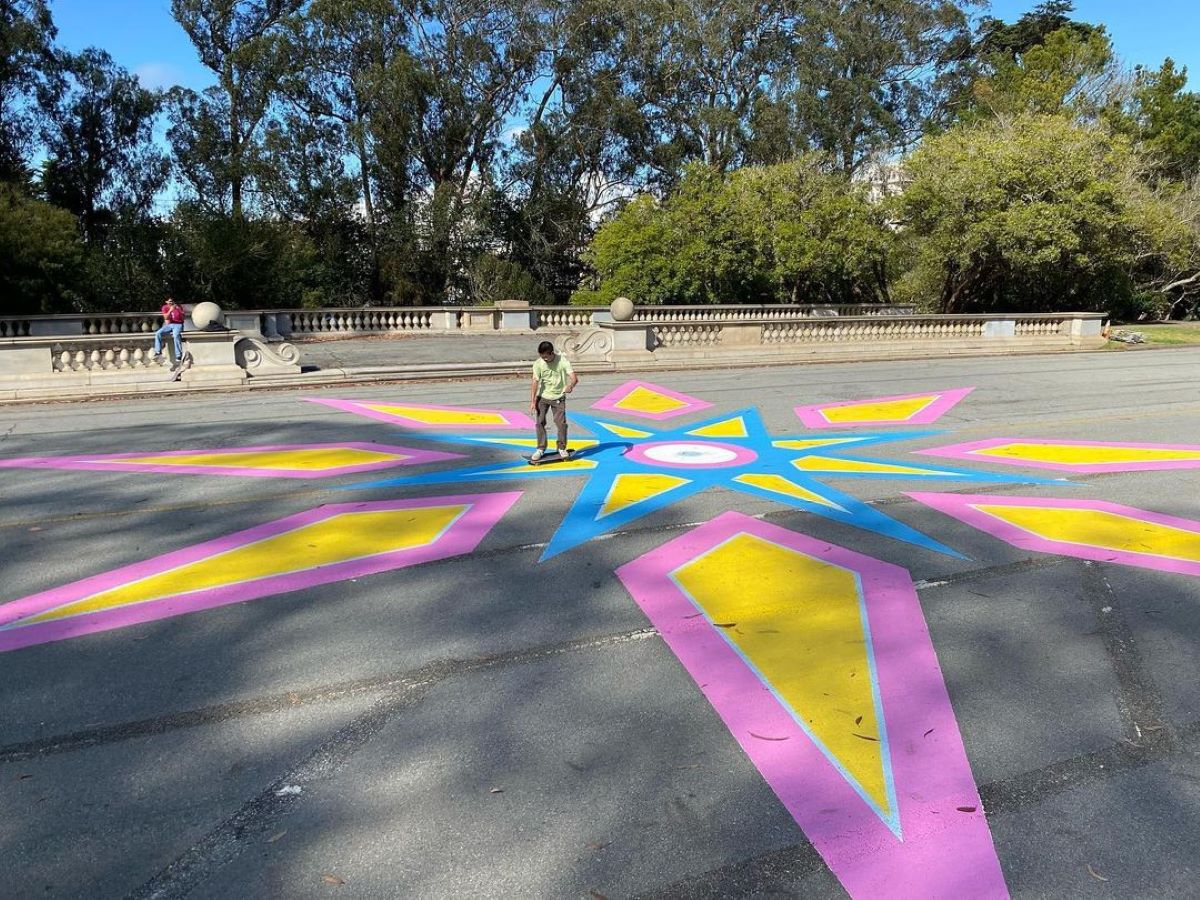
331 693
253 821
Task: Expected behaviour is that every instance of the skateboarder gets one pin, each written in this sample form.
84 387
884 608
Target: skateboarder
553 379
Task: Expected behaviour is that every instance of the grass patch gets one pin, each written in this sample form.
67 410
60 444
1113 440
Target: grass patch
1177 333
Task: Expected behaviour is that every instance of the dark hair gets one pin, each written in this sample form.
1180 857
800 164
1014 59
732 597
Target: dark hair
545 347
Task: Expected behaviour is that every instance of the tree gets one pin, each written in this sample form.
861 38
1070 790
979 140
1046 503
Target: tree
1166 120
1031 30
794 232
1072 71
697 70
215 134
97 128
869 76
40 255
26 34
1027 214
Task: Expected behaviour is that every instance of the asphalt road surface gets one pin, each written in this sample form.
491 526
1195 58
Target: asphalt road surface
492 724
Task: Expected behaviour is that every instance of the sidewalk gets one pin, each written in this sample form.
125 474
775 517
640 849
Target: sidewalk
403 350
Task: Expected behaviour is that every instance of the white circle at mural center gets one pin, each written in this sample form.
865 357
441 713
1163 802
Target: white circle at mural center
691 454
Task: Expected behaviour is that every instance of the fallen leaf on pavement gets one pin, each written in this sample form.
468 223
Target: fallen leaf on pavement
332 879
966 808
763 737
1095 874
496 791
273 838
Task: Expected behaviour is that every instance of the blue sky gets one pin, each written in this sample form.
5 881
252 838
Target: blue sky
142 36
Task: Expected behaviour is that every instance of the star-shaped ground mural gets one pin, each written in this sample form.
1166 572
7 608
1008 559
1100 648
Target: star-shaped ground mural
631 472
815 657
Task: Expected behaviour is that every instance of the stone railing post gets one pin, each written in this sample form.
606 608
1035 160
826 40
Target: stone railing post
515 315
999 328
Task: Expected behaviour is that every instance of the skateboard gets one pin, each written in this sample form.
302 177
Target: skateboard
551 456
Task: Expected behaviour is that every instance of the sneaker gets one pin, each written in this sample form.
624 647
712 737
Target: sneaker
565 452
537 455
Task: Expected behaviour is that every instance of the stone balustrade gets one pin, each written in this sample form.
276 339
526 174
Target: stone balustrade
509 315
90 365
658 342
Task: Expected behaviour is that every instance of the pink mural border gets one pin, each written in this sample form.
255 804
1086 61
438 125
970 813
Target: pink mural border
813 414
462 536
112 462
946 847
961 507
609 401
968 451
359 408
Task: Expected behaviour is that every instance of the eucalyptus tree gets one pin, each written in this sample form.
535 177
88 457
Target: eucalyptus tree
868 77
26 36
699 69
97 131
216 133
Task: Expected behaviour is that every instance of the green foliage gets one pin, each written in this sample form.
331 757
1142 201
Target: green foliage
40 255
97 130
1166 120
1037 213
788 233
26 34
1071 71
246 263
494 279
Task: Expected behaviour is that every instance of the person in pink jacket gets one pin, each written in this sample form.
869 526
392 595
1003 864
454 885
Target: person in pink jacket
173 317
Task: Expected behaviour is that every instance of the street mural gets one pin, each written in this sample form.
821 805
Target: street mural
820 665
273 461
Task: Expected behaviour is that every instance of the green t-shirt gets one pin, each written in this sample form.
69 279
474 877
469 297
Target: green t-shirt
552 377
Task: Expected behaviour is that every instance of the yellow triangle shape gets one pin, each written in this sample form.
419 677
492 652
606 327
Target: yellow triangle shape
878 411
644 400
833 464
623 431
802 629
735 427
779 485
630 489
809 443
351 535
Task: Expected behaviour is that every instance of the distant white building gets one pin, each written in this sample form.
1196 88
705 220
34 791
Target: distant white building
883 178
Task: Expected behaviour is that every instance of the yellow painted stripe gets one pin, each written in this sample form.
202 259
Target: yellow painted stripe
622 431
527 469
642 399
851 466
628 490
888 411
809 443
735 427
310 460
440 416
338 539
780 485
1102 529
799 622
529 442
1071 454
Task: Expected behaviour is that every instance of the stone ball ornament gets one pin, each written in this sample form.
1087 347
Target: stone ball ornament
621 309
207 314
